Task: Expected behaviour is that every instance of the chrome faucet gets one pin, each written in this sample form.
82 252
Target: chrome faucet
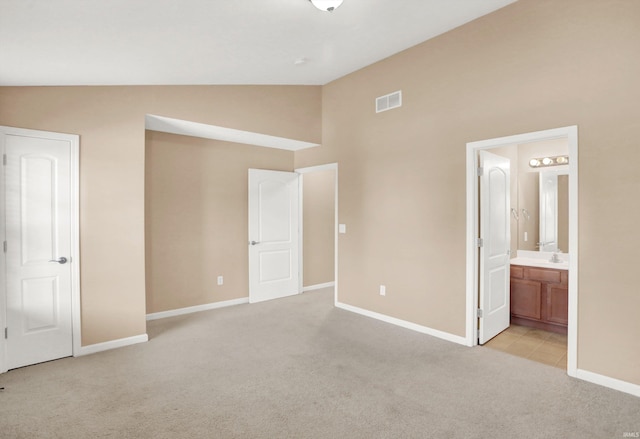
555 258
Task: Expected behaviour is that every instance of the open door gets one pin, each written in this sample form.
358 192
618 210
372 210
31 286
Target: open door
495 245
273 234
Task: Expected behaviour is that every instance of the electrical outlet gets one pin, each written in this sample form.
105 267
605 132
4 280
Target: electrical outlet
383 290
220 280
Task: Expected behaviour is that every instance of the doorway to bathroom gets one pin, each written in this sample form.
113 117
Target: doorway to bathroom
539 271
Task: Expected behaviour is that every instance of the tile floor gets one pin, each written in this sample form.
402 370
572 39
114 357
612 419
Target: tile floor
537 345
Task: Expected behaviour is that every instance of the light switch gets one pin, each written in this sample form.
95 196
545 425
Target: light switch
342 228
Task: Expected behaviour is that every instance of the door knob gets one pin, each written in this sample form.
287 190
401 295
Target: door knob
254 242
61 260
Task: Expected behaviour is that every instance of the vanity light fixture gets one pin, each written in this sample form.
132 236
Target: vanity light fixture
326 5
549 161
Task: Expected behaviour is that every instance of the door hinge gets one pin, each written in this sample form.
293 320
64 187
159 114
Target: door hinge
4 246
479 242
6 333
480 171
479 313
4 159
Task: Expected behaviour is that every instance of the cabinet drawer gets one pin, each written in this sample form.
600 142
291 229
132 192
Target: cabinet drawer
517 271
542 275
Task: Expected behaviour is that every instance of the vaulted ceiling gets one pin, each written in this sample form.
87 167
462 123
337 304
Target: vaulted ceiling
127 42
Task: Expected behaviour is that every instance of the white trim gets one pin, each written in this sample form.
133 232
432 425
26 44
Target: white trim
75 244
3 265
572 327
319 286
197 308
113 344
571 133
612 383
404 324
74 257
335 242
328 167
300 233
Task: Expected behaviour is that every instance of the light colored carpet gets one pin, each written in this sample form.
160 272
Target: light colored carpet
300 368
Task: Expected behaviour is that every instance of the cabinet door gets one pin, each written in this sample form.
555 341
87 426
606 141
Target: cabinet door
525 298
557 304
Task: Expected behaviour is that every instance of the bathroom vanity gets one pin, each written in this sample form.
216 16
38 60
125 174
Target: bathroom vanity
539 294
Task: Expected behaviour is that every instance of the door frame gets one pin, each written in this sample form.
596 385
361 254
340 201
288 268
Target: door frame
472 257
307 170
74 169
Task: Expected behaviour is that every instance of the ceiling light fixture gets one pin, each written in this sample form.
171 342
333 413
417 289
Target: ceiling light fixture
326 5
549 161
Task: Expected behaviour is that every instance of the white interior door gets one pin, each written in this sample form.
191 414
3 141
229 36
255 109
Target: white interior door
38 236
496 242
548 212
273 234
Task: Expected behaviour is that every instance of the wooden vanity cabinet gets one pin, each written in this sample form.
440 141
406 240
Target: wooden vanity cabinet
539 298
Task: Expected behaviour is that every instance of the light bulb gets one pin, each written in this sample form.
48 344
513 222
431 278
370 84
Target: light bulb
547 161
534 163
326 5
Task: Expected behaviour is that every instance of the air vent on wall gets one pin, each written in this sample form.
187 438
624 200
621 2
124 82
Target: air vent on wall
389 102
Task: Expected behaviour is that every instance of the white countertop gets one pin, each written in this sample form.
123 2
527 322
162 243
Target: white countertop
540 259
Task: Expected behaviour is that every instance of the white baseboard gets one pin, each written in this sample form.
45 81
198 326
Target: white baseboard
197 308
113 344
405 324
318 286
612 383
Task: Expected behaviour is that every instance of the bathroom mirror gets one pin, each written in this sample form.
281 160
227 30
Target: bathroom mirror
543 224
553 220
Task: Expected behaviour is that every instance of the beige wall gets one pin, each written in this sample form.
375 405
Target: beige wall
318 227
110 122
534 65
196 218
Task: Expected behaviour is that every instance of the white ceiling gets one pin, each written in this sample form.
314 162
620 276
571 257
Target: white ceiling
129 42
